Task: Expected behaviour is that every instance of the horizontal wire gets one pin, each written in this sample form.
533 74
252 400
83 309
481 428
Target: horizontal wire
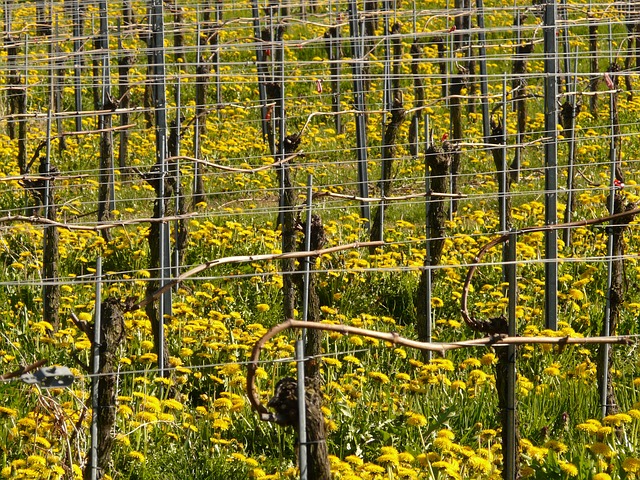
124 373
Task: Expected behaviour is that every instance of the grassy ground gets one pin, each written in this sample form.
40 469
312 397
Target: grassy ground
390 412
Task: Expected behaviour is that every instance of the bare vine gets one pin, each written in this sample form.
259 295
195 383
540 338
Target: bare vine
396 339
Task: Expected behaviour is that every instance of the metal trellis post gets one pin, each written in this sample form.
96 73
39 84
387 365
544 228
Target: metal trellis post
511 447
551 163
429 235
302 418
361 125
164 305
484 79
95 399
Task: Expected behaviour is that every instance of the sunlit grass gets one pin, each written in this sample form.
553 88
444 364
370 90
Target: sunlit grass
390 412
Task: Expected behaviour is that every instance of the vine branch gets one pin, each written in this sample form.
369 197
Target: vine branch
396 339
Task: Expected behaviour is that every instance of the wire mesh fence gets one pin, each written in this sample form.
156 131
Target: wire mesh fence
164 136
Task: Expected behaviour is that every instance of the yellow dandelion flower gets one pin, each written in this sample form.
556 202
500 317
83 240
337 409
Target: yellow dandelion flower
42 327
552 371
27 423
223 403
36 460
252 462
538 453
333 362
123 439
19 463
83 344
437 302
43 442
471 363
373 468
262 307
328 310
355 460
147 358
458 385
406 457
147 417
588 427
634 413
230 369
480 465
604 431
444 433
442 443
136 456
616 419
600 448
221 424
576 294
172 404
388 450
331 426
401 352
351 359
601 476
125 411
631 465
379 377
186 352
388 459
556 446
569 469
416 420
8 412
488 433
488 359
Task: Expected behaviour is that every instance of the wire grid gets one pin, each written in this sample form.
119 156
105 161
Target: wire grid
59 54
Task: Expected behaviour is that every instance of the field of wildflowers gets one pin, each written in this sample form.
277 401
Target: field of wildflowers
391 413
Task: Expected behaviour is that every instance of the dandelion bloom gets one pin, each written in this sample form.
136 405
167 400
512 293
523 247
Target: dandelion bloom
631 465
600 448
355 460
552 371
602 476
416 420
172 404
372 468
443 444
556 446
379 376
480 465
9 412
588 427
406 457
569 469
617 419
137 456
388 459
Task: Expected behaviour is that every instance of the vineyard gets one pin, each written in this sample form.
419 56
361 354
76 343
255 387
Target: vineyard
347 239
